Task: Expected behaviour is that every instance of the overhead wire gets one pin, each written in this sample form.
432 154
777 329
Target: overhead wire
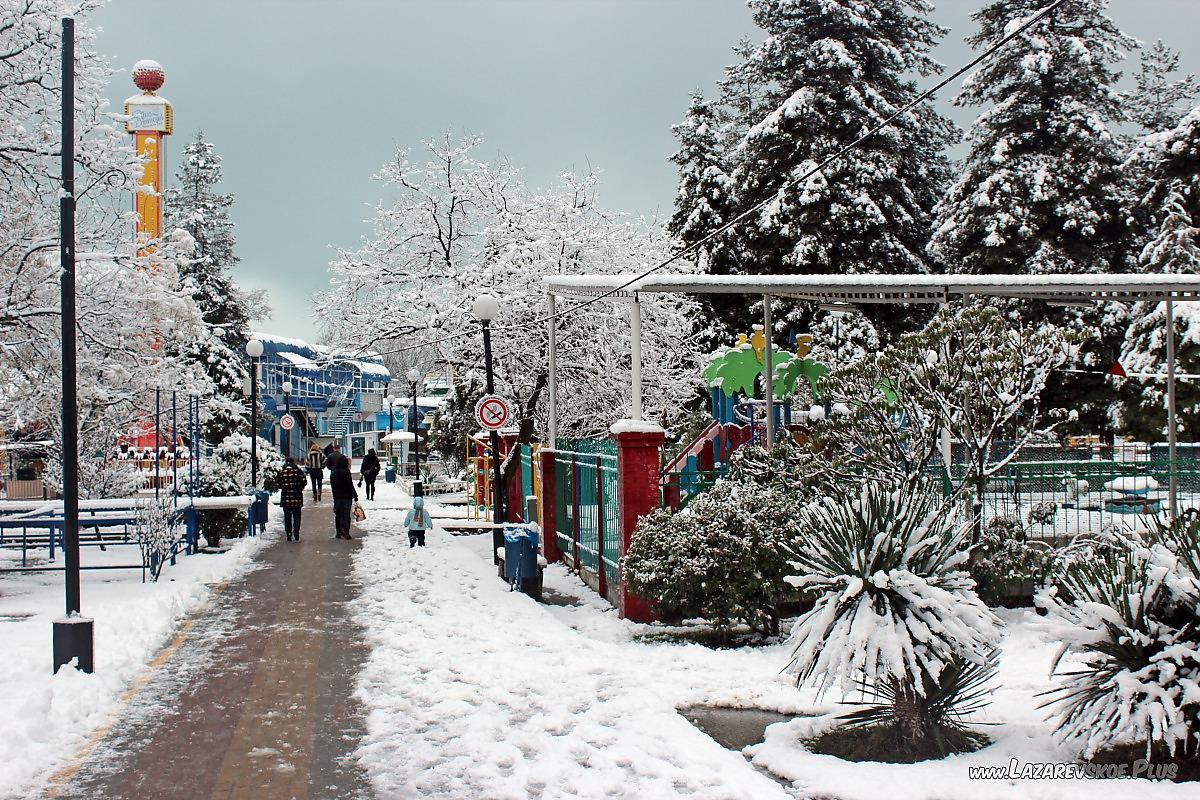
799 179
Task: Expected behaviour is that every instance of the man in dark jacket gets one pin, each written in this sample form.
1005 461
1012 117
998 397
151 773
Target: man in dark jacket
368 471
336 459
344 495
291 497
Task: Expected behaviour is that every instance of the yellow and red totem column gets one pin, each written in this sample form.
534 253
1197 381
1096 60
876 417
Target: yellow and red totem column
150 119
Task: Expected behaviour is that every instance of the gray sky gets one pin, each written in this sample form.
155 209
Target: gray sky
305 99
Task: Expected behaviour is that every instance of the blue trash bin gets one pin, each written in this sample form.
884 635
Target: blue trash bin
258 509
389 474
521 556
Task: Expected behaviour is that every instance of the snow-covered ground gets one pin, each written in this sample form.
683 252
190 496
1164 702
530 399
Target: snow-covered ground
474 691
44 718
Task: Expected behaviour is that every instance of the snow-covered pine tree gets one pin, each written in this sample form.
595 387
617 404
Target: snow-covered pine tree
1166 169
835 68
702 201
196 205
1159 100
1040 188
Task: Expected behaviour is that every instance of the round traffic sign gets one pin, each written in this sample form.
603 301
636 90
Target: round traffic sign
287 422
492 412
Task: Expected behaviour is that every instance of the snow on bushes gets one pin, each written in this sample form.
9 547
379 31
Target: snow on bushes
1131 618
1006 561
893 606
722 558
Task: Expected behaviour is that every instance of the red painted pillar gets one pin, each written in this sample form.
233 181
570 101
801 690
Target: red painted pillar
639 449
549 495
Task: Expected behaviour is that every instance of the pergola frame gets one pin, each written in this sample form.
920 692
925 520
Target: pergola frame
1075 289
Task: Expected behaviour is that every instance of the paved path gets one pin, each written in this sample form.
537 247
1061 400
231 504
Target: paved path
254 701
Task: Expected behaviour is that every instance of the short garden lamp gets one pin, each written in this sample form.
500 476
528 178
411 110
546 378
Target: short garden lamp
486 308
287 411
254 349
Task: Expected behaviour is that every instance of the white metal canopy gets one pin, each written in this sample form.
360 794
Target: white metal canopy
870 289
891 288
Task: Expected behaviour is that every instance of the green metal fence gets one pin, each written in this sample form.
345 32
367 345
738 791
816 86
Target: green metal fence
1059 499
586 505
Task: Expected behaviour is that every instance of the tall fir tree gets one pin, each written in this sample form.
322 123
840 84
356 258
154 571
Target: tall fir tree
829 70
1165 172
195 205
1160 99
1040 190
702 201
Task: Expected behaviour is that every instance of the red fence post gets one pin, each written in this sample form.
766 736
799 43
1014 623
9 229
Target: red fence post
639 453
549 495
600 527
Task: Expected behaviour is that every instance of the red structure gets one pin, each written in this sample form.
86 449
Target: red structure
639 450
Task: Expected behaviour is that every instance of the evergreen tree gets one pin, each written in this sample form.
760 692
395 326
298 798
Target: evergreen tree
1040 188
832 69
196 207
1166 171
702 201
1156 105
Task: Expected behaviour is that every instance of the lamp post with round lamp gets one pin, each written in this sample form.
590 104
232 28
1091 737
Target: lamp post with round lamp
414 375
486 308
254 349
287 412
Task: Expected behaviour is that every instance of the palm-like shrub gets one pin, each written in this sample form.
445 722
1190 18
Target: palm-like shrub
1132 619
895 614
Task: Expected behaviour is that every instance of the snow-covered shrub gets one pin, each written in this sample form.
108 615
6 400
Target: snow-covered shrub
1005 559
722 558
1132 621
893 604
1043 513
227 473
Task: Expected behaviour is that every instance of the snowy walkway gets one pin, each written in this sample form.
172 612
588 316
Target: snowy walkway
256 701
477 692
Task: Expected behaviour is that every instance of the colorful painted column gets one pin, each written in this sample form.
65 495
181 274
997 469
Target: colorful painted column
150 119
639 450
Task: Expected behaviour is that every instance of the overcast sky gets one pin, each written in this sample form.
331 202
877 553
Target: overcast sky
305 99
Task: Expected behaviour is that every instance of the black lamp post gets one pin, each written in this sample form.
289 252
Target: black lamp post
413 376
254 349
73 633
287 411
486 308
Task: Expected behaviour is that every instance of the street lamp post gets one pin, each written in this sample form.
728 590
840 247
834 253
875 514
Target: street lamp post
413 376
254 349
73 633
387 403
486 308
287 410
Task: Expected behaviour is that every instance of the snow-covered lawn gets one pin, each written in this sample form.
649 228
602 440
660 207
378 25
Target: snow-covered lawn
45 719
474 691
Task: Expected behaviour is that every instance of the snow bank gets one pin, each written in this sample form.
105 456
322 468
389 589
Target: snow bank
48 718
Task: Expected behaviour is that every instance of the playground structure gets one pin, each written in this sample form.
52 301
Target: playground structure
601 489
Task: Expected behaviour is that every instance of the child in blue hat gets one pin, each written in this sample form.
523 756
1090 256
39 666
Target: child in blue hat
416 522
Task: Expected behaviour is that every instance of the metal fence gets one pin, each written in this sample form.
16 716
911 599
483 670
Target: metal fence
1056 500
587 514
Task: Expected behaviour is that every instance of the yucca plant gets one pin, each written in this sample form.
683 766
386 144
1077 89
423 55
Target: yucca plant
895 614
1133 622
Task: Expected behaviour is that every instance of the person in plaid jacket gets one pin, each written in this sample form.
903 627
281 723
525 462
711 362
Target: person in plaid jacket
291 482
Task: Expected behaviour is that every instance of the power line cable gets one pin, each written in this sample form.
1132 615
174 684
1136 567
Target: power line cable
926 95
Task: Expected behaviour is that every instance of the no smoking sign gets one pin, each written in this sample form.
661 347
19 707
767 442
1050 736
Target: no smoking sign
287 422
492 412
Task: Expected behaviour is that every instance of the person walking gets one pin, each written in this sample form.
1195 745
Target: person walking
291 482
335 458
417 522
316 470
344 495
368 471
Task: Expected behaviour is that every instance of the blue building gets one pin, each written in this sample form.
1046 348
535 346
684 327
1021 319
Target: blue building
336 396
